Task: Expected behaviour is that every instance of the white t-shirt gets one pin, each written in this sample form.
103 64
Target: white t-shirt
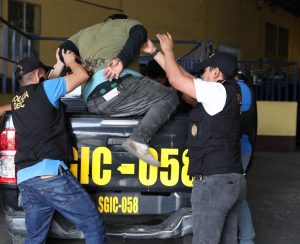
211 94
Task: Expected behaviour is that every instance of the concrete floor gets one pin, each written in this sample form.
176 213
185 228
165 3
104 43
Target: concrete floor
274 198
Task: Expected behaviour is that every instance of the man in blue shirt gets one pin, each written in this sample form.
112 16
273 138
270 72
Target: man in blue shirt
43 150
245 225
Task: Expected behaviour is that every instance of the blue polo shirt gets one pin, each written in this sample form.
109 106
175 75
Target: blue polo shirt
246 105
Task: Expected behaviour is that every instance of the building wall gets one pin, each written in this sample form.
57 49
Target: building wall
277 126
236 23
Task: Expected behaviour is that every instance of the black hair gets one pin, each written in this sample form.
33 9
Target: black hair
117 16
19 72
68 45
225 76
245 75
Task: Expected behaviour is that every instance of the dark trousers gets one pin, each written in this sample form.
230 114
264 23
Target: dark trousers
138 96
215 200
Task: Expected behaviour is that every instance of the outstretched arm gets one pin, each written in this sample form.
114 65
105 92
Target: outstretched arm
178 77
149 48
79 74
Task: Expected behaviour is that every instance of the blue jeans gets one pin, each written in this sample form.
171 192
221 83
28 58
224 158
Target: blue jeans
246 230
215 200
64 194
245 225
139 96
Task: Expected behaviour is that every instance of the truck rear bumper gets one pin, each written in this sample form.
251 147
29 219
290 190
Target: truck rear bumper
178 224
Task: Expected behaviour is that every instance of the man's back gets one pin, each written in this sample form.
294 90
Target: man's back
105 40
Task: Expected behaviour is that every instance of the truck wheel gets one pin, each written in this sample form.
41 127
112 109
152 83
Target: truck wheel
18 239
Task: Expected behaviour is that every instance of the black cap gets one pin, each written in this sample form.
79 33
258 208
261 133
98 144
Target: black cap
29 64
224 61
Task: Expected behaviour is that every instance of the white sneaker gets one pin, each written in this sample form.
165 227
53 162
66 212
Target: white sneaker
141 151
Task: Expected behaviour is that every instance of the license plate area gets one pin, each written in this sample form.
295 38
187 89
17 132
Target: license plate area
119 203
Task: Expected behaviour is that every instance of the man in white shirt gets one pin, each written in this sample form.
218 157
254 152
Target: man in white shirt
213 141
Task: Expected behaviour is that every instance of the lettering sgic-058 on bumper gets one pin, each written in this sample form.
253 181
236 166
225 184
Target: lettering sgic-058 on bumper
119 203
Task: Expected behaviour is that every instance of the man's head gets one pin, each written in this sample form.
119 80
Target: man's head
68 45
29 70
245 75
219 66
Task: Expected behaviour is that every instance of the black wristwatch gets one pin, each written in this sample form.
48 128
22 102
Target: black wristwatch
155 52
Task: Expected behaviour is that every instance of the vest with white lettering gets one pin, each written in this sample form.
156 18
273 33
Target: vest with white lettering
214 141
40 128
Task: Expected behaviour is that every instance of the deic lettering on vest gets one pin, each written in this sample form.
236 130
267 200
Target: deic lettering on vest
19 101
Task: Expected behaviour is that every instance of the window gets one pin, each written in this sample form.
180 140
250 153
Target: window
283 42
25 16
276 40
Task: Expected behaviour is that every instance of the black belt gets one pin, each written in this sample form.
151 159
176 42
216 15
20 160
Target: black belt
200 177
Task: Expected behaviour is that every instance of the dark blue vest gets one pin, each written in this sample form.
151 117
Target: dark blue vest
214 141
40 127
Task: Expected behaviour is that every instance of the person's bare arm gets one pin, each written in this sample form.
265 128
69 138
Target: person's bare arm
149 48
79 74
189 100
58 67
4 108
179 78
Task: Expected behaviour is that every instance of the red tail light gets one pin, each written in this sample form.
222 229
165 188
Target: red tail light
8 139
7 155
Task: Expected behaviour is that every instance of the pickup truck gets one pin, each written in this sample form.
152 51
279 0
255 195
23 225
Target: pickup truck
136 200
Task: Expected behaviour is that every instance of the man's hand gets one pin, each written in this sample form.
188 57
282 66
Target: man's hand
113 70
58 61
148 47
79 74
69 57
166 42
57 68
